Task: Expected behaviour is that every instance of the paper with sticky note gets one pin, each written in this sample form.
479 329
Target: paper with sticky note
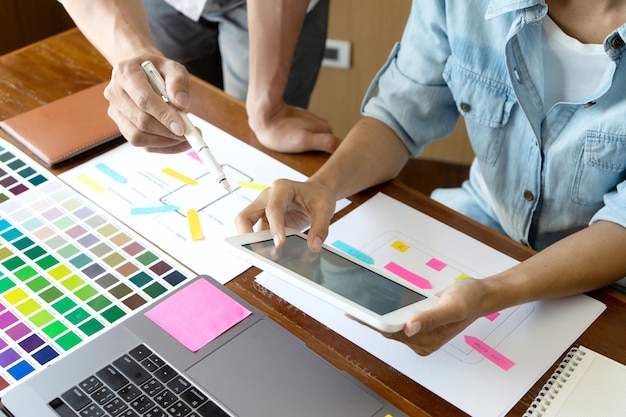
197 314
507 351
342 246
489 352
133 187
412 277
195 228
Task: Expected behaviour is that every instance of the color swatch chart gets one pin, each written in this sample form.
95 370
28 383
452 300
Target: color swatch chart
67 270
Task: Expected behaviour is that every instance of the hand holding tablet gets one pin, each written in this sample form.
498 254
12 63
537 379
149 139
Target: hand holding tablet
376 298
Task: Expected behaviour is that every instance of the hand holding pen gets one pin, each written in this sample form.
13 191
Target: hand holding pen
191 133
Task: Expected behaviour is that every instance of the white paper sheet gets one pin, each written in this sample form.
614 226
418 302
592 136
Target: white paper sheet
127 179
531 336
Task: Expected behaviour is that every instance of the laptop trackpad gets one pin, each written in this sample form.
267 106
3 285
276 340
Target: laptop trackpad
263 372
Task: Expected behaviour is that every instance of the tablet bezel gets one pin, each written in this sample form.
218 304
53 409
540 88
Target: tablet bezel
389 323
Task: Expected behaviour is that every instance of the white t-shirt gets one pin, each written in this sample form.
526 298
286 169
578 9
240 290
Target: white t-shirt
193 8
573 70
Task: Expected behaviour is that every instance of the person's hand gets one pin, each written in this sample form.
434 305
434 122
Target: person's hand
293 130
290 204
142 116
459 305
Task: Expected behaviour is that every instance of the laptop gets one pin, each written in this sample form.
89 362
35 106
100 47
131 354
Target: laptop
143 367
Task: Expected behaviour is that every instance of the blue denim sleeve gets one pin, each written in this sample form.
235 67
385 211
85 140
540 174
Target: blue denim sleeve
614 209
413 98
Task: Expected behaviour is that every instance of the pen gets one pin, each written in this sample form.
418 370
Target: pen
191 133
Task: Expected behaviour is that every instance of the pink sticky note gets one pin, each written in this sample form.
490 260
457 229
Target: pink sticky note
408 275
194 155
489 352
197 314
492 316
436 264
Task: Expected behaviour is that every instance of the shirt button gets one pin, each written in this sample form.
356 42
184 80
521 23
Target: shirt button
617 42
465 107
517 75
528 196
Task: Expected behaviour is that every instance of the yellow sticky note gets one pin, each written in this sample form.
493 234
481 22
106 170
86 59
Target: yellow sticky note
252 185
194 225
179 176
400 246
89 182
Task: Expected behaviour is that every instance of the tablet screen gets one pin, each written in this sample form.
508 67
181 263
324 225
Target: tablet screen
338 274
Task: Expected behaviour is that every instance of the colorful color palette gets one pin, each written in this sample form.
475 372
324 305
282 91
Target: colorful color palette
67 270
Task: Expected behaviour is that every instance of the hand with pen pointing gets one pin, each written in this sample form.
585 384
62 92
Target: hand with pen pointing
144 119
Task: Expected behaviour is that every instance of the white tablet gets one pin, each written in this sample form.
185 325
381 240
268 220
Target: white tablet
377 298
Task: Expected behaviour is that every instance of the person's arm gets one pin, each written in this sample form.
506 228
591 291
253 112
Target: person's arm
274 27
370 154
589 259
119 30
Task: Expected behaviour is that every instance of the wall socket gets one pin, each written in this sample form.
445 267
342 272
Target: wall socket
337 54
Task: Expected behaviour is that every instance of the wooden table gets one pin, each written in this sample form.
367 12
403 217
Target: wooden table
66 63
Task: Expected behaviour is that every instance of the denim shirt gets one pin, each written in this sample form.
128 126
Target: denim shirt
543 176
193 9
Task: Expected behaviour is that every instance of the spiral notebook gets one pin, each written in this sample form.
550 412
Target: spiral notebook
586 383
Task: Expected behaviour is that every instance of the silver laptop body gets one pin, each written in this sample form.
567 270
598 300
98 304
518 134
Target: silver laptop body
255 369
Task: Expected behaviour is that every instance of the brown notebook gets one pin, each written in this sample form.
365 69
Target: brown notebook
65 128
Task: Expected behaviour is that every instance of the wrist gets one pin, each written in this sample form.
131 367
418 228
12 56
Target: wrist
262 109
503 290
327 181
134 52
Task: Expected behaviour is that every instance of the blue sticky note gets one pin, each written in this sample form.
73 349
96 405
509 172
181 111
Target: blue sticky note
355 253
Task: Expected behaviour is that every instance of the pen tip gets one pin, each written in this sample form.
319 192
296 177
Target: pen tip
226 185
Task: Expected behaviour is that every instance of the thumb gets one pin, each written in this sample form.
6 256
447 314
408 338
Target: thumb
444 313
177 83
326 142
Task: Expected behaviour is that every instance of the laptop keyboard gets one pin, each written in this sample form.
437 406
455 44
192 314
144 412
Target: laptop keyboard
138 384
